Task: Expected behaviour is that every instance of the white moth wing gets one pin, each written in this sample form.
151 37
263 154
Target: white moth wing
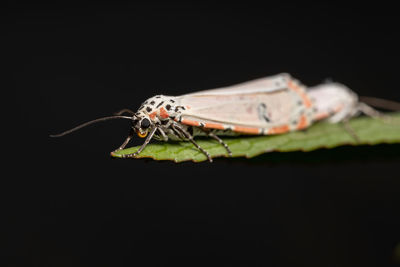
260 109
264 85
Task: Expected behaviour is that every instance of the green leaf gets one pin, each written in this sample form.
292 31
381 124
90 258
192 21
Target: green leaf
370 131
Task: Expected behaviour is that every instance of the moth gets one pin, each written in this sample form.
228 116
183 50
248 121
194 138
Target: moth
266 106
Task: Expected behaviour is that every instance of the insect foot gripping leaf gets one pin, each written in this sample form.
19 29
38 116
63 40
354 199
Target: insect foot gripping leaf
370 131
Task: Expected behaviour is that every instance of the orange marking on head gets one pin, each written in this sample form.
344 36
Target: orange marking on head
306 101
214 126
303 123
190 122
247 130
153 115
279 129
163 113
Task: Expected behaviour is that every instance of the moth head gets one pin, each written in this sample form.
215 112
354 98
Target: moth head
141 125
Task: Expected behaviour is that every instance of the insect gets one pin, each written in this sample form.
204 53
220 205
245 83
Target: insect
265 106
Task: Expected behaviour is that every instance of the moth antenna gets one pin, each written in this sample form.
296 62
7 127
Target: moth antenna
89 123
381 103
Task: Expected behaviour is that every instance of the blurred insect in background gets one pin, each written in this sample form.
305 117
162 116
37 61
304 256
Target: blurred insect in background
266 106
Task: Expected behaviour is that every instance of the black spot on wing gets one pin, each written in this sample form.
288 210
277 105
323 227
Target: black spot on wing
152 102
162 102
164 122
172 101
262 110
148 109
168 107
179 107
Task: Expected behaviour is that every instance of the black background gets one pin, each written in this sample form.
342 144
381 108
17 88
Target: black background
67 203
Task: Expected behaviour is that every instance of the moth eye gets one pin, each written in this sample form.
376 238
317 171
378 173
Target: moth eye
145 123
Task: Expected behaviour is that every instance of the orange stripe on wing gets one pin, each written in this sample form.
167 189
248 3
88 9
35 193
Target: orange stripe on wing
247 130
301 93
303 123
279 129
214 126
321 115
190 122
324 114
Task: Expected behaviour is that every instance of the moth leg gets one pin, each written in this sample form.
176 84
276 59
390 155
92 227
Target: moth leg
350 130
215 137
180 131
132 155
125 110
131 133
164 136
373 113
369 111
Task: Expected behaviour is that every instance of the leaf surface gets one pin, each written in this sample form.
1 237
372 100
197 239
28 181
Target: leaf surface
321 135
